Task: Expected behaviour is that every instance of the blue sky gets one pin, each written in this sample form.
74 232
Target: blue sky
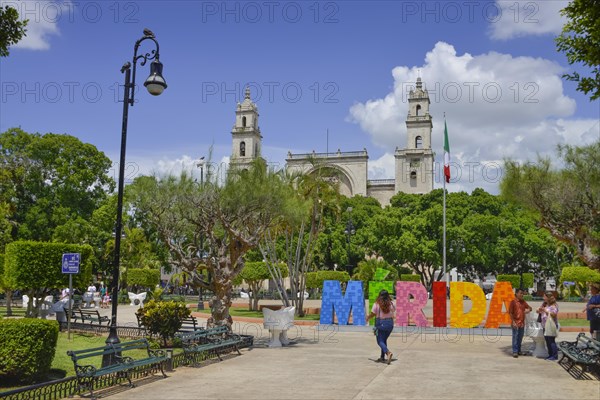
338 66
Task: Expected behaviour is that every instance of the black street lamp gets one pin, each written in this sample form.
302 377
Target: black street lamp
457 246
349 231
200 164
155 84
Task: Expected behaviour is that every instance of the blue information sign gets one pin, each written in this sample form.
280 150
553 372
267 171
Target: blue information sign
70 263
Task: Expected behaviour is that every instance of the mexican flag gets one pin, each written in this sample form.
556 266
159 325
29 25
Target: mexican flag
446 154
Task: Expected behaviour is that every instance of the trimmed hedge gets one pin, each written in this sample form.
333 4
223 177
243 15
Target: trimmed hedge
314 280
515 280
34 265
410 278
27 348
579 275
143 277
2 272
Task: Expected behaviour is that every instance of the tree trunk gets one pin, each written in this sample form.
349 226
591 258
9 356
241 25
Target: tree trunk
254 288
9 294
221 301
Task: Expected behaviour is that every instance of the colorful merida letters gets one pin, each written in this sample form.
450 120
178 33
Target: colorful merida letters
352 300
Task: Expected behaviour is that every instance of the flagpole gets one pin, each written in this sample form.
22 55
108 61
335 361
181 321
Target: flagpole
444 208
444 238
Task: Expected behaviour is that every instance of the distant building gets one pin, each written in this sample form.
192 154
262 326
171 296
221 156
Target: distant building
413 164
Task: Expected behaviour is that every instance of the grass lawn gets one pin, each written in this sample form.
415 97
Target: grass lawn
16 311
574 322
244 312
62 365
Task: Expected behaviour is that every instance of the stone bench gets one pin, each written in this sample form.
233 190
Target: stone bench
534 330
278 322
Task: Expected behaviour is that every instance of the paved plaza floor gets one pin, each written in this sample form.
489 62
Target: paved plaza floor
342 365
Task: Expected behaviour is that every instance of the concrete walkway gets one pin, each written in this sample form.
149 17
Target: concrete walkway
341 365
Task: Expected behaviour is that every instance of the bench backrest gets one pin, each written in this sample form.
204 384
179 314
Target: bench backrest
92 313
588 342
189 324
77 355
202 333
131 345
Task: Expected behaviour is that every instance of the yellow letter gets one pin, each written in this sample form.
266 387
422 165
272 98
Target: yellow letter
471 319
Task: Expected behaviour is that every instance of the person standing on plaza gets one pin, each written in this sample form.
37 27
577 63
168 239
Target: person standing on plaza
592 309
383 310
550 323
517 310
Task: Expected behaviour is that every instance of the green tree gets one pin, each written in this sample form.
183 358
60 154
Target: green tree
580 41
11 28
226 220
35 267
254 273
567 200
49 181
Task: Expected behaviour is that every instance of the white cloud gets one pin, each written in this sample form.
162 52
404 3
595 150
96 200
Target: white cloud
523 18
497 106
43 18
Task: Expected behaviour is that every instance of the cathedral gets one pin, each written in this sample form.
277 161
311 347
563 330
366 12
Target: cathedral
413 164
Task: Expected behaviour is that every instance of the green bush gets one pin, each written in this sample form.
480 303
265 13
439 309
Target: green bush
581 276
163 317
35 265
513 279
314 280
143 277
27 348
410 277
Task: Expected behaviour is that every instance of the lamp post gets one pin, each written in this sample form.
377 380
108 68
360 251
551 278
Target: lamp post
349 231
155 84
457 246
200 164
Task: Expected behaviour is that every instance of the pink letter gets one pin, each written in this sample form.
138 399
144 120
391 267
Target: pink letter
405 307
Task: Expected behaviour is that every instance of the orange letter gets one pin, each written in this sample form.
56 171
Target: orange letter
503 294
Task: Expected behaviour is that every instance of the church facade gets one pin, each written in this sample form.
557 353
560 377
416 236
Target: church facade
413 172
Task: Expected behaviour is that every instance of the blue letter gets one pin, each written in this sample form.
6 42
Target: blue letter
333 301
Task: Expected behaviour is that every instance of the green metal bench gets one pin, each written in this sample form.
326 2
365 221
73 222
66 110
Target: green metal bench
201 341
88 374
584 351
92 316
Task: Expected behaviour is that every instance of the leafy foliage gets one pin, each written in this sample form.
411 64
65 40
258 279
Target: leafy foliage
36 267
163 317
254 273
580 41
567 200
11 28
515 280
27 347
49 181
581 276
314 280
143 277
410 278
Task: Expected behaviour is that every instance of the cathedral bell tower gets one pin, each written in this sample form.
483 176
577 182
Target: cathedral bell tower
414 164
245 135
